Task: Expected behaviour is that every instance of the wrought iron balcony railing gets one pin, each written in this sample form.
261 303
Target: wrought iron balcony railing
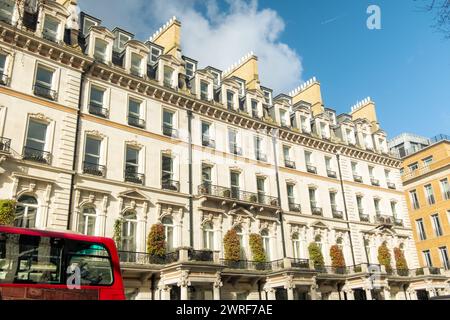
36 155
337 214
331 174
332 270
375 182
363 217
391 185
295 207
4 79
398 222
311 169
98 111
384 219
201 255
136 121
134 177
237 194
169 131
261 157
300 263
208 142
289 164
145 258
45 92
169 184
357 178
5 145
247 265
94 169
234 149
316 210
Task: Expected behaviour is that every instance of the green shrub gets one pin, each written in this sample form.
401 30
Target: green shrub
232 246
384 256
257 248
117 233
400 260
7 212
315 255
156 241
337 257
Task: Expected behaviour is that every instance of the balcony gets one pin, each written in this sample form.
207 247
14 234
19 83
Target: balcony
375 182
316 211
94 169
169 131
384 219
337 214
289 164
169 184
247 265
311 169
357 178
363 217
234 149
261 156
132 176
4 80
98 111
398 272
136 122
398 222
332 270
36 155
141 258
201 255
295 207
391 185
331 174
5 145
208 142
45 92
237 194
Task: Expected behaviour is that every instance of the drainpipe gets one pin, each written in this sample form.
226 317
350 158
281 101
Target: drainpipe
277 175
77 138
191 203
345 205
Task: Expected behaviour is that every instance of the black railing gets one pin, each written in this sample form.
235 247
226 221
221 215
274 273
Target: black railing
332 270
136 121
375 182
208 142
261 156
169 184
237 194
134 177
289 164
299 263
201 255
94 169
247 265
5 145
4 79
391 185
36 155
331 174
98 111
45 92
315 210
337 214
311 169
295 207
169 131
398 272
363 217
384 219
398 222
134 257
357 178
434 271
234 149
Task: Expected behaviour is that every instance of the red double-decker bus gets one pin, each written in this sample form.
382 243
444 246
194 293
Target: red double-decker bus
46 265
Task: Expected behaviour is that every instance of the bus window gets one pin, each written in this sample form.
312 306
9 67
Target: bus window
29 259
94 263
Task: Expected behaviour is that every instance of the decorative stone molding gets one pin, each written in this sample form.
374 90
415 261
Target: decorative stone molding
95 133
134 144
207 218
218 281
184 279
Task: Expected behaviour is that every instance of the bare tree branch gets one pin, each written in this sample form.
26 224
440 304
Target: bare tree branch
440 9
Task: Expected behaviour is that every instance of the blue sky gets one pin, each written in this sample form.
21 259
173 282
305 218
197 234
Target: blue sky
404 67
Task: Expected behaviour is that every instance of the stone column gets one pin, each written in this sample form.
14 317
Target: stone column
386 293
350 294
184 292
216 286
412 294
270 294
313 292
164 292
101 229
432 292
184 283
369 294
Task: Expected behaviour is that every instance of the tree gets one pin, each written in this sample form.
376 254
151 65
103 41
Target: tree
316 256
337 257
257 248
400 260
441 14
7 212
232 246
156 241
384 256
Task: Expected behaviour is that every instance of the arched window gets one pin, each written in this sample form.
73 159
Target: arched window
241 242
26 211
129 231
208 236
296 245
266 244
168 232
86 221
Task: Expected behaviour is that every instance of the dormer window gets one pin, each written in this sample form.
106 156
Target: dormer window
100 50
7 10
267 97
154 55
241 88
87 24
168 77
216 77
283 118
367 142
121 40
230 99
136 65
350 136
323 130
204 90
254 108
190 69
50 30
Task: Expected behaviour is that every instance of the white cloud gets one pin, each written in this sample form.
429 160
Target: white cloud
211 36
